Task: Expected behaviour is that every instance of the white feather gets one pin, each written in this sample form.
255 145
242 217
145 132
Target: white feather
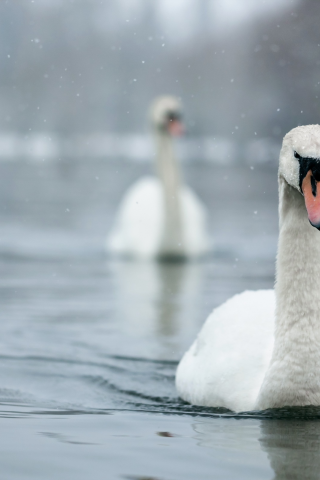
226 364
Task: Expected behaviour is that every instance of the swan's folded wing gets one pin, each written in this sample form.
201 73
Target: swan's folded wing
226 364
139 222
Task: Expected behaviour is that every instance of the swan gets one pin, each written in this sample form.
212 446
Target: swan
160 216
261 349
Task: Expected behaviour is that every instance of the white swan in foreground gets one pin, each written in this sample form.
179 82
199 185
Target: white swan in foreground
262 349
161 217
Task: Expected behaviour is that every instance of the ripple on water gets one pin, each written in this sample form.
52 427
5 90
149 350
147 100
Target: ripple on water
120 383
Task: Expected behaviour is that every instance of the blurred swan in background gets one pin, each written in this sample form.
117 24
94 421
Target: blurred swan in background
159 217
261 349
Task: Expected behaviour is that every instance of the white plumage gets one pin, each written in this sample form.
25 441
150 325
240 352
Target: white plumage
160 216
141 216
226 364
262 349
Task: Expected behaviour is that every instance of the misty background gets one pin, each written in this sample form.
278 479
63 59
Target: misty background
77 76
89 343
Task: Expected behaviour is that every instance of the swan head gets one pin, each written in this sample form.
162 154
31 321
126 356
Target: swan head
165 114
300 166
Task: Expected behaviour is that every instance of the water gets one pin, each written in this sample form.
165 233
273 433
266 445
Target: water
89 344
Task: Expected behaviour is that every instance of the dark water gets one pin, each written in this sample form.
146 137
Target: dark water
89 344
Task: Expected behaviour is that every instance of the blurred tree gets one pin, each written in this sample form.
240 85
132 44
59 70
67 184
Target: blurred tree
85 66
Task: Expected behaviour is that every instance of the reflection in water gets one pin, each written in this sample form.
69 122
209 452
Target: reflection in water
171 277
235 443
232 434
159 300
293 448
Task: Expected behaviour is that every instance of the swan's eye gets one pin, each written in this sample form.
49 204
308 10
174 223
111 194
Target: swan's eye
316 175
173 116
297 155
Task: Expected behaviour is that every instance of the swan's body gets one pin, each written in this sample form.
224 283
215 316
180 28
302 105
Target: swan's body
159 216
225 366
262 349
141 217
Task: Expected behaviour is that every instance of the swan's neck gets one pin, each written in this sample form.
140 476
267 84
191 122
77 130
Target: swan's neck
293 377
168 172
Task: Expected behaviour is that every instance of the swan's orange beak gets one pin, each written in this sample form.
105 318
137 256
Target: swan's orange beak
312 199
175 128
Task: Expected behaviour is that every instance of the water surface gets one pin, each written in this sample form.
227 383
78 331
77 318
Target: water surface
89 344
